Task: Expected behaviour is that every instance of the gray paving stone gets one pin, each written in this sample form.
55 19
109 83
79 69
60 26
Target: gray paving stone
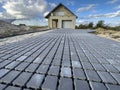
14 57
47 61
103 61
22 79
113 87
12 88
22 58
113 62
76 64
110 68
97 86
38 60
117 66
116 76
6 56
65 83
54 70
56 62
28 53
66 72
26 89
4 63
22 66
29 59
107 78
1 60
2 86
31 68
80 84
35 81
3 72
100 52
78 73
12 65
87 65
48 85
42 69
66 63
9 77
98 67
92 75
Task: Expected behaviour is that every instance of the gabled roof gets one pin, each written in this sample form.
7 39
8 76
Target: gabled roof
56 8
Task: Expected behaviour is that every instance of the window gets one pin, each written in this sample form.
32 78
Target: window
51 14
60 13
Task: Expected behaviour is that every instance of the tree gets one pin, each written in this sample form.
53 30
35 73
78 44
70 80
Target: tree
90 25
100 24
81 26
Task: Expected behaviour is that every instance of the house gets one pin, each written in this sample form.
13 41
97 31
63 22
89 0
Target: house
61 17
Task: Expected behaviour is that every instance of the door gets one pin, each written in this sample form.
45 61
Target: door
54 23
67 24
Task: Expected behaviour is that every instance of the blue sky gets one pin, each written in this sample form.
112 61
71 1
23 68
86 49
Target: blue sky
32 12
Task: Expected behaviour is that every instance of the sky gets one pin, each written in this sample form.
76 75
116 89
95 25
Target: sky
32 12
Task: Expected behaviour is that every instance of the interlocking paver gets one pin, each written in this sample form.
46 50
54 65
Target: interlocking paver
12 65
116 76
2 86
35 81
66 63
62 60
21 58
22 66
80 84
4 63
87 65
3 72
92 75
38 60
110 68
22 79
65 83
113 87
12 88
42 69
106 77
31 68
78 73
98 67
54 70
98 86
50 83
76 64
66 72
9 77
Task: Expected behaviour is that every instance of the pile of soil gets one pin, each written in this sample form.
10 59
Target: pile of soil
108 33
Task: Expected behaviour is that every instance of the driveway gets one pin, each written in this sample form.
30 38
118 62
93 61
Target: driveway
61 60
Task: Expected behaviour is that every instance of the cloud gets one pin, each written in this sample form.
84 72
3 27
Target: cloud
108 15
118 7
52 5
70 2
46 13
87 8
113 1
20 9
79 21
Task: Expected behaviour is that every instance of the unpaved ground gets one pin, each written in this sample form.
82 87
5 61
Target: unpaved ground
114 35
20 37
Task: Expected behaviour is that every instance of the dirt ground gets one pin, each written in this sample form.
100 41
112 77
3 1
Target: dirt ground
114 35
20 37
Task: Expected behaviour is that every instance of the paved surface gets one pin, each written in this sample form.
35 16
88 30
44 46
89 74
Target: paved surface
61 60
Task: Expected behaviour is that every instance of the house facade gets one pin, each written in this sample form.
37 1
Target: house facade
61 17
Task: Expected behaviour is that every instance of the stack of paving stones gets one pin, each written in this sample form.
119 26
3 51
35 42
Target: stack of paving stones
61 60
